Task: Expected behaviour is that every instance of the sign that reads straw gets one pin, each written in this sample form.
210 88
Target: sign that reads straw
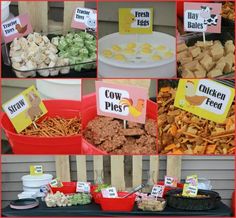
121 101
25 108
202 17
85 18
16 27
135 20
206 98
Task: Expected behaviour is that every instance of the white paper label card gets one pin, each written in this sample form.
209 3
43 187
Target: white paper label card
158 191
109 192
83 187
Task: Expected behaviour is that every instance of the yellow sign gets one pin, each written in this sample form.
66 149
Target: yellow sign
36 170
206 98
190 190
25 108
135 20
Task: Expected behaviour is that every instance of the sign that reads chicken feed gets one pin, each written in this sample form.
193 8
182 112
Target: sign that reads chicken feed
135 20
121 101
206 98
202 17
85 19
16 27
25 108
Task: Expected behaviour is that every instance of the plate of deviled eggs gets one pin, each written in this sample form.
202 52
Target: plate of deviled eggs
146 55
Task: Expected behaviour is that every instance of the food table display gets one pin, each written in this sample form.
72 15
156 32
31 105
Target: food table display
165 199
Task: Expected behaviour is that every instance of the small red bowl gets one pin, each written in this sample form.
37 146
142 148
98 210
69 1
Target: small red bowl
67 188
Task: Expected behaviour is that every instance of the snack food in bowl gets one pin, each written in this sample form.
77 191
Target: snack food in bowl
148 55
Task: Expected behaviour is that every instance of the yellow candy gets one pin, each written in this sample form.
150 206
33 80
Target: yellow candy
146 45
146 51
161 48
156 57
119 57
168 54
107 53
129 51
116 48
131 45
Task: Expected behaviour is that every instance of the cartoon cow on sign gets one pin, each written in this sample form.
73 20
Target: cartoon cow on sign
209 19
91 22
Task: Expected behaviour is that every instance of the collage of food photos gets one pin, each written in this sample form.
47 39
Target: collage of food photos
116 108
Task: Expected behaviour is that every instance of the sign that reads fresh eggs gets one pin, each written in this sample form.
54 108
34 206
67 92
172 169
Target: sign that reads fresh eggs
25 108
206 98
135 20
16 27
85 18
121 101
202 17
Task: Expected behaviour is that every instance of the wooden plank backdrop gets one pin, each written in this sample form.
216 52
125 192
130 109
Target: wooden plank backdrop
38 12
117 168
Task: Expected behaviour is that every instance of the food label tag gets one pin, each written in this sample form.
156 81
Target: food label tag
135 20
189 190
109 192
85 19
158 191
36 170
202 17
16 27
171 181
25 108
206 98
121 101
56 183
192 180
83 187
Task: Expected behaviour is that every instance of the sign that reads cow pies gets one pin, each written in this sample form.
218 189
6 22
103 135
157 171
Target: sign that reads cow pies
16 27
206 98
135 20
25 108
202 17
85 18
121 101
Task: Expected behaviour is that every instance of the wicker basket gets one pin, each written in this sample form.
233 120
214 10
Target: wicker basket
193 203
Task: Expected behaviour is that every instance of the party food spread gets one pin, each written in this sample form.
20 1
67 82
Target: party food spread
108 134
209 59
138 52
56 126
181 132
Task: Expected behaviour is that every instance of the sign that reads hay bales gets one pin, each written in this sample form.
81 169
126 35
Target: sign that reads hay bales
202 17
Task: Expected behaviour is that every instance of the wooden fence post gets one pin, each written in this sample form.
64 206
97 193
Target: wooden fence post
38 13
117 172
81 168
63 167
174 166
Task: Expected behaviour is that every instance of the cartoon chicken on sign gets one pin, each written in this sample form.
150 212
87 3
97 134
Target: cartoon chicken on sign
21 29
135 111
190 95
